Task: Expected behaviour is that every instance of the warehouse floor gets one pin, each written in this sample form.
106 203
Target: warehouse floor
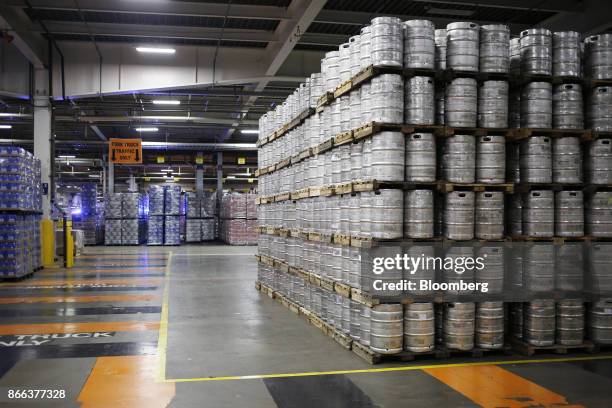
184 327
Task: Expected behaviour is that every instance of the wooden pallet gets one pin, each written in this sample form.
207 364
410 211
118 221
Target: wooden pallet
373 357
529 350
526 187
343 138
363 297
344 188
447 187
323 147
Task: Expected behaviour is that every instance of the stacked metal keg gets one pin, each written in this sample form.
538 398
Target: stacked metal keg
489 102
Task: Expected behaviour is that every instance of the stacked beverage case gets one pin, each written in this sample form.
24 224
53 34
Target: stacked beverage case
526 184
201 208
125 219
20 209
238 219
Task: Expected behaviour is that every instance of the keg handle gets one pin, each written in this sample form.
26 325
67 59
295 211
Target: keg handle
535 194
472 25
523 33
602 90
569 86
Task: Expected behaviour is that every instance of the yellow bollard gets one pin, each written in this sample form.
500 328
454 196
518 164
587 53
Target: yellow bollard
47 235
68 245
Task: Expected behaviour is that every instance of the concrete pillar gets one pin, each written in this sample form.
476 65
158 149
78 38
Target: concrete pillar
132 185
199 179
219 179
111 178
199 176
43 148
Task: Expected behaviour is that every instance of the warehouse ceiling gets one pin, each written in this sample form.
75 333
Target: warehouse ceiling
216 112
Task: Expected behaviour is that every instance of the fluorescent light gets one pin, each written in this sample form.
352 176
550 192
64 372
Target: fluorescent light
94 175
166 102
249 131
13 115
6 126
67 157
153 50
147 129
450 12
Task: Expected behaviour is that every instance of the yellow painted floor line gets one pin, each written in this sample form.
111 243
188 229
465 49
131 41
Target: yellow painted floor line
125 382
91 281
162 341
74 327
62 271
76 299
492 386
388 369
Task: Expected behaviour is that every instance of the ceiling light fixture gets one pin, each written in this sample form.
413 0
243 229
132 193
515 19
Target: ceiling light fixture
147 129
67 157
450 12
152 50
6 126
166 102
249 131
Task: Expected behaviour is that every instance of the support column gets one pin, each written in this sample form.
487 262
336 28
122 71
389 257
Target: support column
111 178
199 176
199 179
219 179
132 186
43 148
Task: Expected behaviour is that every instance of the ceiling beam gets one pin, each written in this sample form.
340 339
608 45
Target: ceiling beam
289 31
155 31
303 13
174 8
98 132
31 45
360 18
546 5
596 18
151 120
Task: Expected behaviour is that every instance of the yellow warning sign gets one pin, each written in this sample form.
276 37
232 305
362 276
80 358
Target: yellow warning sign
126 151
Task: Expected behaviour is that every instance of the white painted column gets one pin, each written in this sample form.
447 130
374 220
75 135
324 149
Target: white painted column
219 179
111 178
42 135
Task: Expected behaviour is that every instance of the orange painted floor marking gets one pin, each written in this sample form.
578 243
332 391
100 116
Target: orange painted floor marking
109 281
76 299
44 328
125 382
492 386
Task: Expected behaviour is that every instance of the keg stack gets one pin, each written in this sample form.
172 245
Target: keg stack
413 135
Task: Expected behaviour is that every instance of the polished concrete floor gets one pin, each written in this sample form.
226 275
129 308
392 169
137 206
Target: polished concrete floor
184 327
